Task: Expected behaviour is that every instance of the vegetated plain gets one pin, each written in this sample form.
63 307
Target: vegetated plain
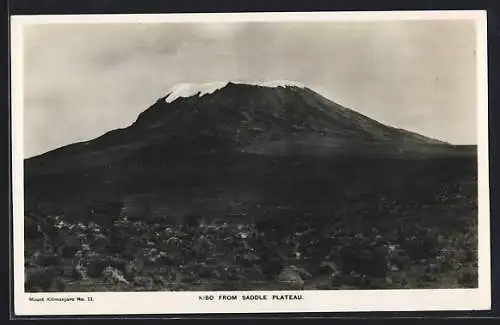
381 223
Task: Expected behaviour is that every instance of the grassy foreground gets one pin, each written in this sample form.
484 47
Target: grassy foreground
410 251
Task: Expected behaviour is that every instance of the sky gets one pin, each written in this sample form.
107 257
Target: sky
83 80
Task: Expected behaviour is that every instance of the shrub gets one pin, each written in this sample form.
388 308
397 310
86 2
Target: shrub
468 278
79 272
160 280
370 261
48 260
421 245
69 249
133 268
58 285
290 279
113 275
97 265
428 277
41 278
31 229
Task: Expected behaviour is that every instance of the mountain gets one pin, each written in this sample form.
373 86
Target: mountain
200 137
263 119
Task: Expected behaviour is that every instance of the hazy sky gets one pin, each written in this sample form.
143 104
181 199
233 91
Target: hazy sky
82 80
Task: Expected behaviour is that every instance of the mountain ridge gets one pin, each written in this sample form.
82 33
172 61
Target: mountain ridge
267 118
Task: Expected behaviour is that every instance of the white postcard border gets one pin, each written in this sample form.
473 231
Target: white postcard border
118 303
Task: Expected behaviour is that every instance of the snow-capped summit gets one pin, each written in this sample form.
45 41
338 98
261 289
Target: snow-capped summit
272 118
201 89
191 89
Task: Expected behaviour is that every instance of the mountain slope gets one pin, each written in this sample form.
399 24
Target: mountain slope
222 147
282 119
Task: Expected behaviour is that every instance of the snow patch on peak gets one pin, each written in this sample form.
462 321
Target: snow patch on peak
277 83
191 89
201 89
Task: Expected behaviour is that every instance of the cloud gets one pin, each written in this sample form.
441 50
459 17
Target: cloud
96 77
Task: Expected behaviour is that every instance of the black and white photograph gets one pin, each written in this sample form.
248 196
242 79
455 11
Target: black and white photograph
250 162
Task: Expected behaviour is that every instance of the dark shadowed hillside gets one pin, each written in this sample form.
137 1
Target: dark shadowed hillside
208 134
239 117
